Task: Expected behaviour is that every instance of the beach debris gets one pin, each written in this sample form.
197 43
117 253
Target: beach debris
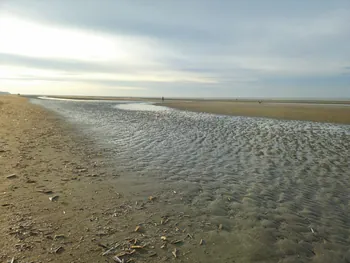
60 236
152 198
164 238
153 254
122 254
189 235
164 220
137 247
13 260
58 250
220 227
176 241
109 251
163 246
174 253
137 229
312 230
53 198
6 204
125 253
117 259
134 241
202 242
30 181
11 176
132 252
103 246
65 179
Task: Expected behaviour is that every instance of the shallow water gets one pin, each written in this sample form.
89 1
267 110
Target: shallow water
280 189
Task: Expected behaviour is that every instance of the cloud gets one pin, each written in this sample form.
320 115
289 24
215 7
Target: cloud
58 52
204 47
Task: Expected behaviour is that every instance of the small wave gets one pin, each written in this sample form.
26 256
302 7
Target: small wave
141 107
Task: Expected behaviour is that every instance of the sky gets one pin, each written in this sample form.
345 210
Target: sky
197 48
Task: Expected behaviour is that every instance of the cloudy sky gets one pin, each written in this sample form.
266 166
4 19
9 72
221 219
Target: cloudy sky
196 48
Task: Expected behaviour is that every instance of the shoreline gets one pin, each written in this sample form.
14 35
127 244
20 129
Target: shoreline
103 205
236 100
62 201
283 111
304 110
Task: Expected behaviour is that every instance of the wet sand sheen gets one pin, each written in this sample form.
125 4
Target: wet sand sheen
256 190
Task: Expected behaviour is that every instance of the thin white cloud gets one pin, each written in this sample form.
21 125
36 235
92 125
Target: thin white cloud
30 39
24 37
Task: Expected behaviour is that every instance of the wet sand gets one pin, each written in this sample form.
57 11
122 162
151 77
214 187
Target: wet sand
94 209
317 111
329 111
280 197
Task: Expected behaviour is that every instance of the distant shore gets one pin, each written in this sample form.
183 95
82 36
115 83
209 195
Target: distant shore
296 110
171 99
329 111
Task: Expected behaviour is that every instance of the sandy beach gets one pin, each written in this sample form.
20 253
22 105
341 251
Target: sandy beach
84 181
59 202
306 110
286 110
39 160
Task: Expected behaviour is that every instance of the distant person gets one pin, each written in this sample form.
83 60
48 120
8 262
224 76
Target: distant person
162 99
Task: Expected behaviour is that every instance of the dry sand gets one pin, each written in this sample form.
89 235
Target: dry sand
288 111
41 157
46 161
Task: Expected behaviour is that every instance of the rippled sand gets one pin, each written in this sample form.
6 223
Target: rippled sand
256 190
